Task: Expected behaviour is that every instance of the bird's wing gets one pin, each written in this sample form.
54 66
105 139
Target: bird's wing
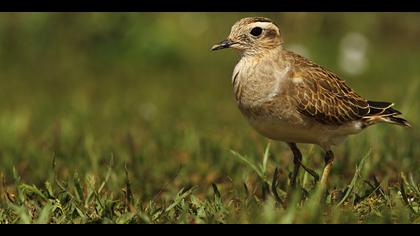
322 95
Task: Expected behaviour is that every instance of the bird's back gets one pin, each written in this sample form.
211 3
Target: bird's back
323 96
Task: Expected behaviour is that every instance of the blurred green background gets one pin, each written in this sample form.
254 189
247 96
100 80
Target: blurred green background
146 89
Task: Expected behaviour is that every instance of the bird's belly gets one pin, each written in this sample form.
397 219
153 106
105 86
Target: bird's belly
280 130
280 124
302 132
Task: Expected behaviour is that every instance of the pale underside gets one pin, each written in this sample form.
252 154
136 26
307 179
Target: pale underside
280 129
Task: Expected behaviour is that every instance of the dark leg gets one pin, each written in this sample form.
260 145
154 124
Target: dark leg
329 159
297 160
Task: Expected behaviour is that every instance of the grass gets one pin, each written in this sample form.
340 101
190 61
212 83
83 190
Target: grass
105 128
88 200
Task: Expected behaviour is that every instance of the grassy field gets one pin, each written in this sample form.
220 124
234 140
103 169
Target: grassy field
129 118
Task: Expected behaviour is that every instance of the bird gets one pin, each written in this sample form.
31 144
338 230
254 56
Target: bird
289 98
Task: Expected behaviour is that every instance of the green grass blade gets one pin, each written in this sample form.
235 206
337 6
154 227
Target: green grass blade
265 159
355 178
250 164
179 197
45 214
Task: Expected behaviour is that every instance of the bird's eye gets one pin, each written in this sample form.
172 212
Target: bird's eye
256 31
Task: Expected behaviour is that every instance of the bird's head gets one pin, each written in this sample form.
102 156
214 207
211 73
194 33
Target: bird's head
252 35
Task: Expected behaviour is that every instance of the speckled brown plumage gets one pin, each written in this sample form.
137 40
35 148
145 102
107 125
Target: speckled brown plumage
325 97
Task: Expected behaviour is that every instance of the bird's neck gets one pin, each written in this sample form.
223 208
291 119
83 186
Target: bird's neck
260 52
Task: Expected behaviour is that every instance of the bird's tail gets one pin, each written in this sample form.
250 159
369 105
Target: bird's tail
383 112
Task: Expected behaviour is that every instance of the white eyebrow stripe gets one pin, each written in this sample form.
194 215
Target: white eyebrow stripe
263 25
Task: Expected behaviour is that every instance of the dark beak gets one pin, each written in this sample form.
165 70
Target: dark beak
222 45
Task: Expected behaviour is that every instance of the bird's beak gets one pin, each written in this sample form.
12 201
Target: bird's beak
222 45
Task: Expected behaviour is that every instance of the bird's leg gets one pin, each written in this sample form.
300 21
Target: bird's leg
297 159
329 159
